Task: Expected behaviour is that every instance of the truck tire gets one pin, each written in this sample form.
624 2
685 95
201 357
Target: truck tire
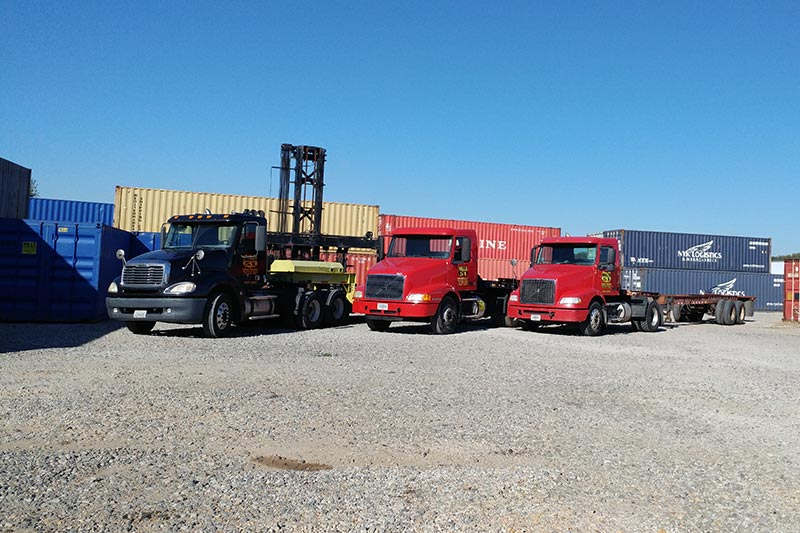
445 320
218 318
653 318
311 311
140 328
739 311
725 313
338 309
376 324
595 321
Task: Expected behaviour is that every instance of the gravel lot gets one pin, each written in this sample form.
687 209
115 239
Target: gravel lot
693 428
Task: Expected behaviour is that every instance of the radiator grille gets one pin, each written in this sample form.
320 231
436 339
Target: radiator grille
385 287
142 275
538 291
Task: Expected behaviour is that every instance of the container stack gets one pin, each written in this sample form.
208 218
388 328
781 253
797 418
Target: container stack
791 302
687 263
15 184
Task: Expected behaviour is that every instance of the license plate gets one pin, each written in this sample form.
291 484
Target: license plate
383 307
140 313
536 318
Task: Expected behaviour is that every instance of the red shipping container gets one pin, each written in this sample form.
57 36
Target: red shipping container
501 242
358 263
791 279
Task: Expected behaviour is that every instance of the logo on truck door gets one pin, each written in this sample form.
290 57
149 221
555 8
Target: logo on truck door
605 281
463 275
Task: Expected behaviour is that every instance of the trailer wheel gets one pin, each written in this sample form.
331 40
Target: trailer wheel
219 316
595 322
140 328
445 320
739 311
376 324
311 311
653 318
338 309
725 313
677 313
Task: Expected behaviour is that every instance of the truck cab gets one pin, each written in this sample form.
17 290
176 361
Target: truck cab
427 275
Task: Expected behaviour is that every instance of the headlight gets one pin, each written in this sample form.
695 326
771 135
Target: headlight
358 294
184 287
569 300
417 297
513 298
113 288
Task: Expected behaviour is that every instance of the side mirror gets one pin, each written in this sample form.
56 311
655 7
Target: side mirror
261 238
121 255
199 255
381 251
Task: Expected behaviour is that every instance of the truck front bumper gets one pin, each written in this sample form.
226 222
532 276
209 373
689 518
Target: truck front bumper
559 315
175 310
396 310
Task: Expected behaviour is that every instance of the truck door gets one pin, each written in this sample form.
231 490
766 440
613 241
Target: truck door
249 265
465 263
608 273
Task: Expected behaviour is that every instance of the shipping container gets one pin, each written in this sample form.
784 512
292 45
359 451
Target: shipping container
357 263
138 209
791 303
71 211
500 242
767 288
57 272
15 189
689 251
144 241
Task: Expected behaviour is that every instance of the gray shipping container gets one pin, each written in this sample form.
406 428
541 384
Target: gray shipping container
15 188
767 288
690 251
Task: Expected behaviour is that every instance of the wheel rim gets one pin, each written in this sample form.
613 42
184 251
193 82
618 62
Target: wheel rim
313 311
448 316
594 320
223 315
337 308
654 318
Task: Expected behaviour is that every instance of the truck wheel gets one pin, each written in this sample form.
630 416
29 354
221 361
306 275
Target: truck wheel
509 322
338 310
140 328
725 313
376 324
594 323
739 311
218 319
311 311
445 320
653 318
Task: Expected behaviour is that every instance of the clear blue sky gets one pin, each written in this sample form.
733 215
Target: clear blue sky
673 116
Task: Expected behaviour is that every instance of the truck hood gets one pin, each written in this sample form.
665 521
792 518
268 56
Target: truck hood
419 272
177 259
570 277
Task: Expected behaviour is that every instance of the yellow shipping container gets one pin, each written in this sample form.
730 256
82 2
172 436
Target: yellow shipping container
140 209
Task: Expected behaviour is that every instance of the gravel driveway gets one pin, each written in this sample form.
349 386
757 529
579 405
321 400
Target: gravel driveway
693 428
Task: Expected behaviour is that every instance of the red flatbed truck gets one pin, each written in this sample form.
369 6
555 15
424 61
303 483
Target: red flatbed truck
577 280
431 275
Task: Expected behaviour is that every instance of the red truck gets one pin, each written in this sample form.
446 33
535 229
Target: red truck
577 280
431 275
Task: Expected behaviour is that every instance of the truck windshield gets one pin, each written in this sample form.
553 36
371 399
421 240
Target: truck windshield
566 254
420 246
191 236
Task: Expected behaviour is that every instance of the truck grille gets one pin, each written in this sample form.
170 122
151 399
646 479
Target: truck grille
142 275
385 287
538 291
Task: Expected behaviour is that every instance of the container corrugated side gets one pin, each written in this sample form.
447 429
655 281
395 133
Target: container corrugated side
357 263
693 251
495 241
767 288
15 188
141 209
71 211
55 272
791 302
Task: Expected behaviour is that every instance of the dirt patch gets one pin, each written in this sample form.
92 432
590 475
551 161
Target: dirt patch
285 463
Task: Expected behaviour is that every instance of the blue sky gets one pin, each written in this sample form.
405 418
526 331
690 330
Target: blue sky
671 116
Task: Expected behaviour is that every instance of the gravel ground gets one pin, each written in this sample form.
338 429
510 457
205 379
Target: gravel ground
693 428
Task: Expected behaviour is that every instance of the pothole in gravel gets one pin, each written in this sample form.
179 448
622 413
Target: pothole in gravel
285 463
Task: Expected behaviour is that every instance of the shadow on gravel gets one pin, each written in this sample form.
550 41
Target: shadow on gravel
567 330
419 328
19 337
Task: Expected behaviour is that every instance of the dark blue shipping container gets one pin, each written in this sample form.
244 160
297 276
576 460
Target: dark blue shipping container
57 272
70 211
767 288
689 251
145 241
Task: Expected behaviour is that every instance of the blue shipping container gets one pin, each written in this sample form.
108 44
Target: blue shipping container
70 211
767 288
57 272
145 241
689 251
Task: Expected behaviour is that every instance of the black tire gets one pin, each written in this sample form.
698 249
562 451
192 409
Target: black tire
509 322
595 321
218 319
338 310
376 324
312 311
445 321
140 328
739 311
678 313
725 313
653 317
528 325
